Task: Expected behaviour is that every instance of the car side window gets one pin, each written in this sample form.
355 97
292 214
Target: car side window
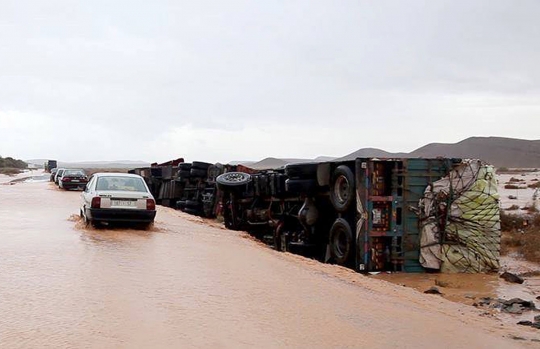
89 185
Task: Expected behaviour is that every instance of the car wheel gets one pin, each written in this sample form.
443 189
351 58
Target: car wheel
342 188
341 241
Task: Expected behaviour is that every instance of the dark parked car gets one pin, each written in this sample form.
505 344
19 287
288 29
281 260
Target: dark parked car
53 174
73 178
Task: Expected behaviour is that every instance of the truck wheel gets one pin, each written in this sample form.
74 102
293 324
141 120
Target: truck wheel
197 172
193 204
302 186
232 181
192 211
342 188
341 241
305 170
200 165
184 173
184 166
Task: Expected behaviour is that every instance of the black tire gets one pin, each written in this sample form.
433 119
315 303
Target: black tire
232 181
183 178
305 170
184 173
341 242
342 188
301 186
200 165
196 172
193 204
184 166
214 172
277 184
192 211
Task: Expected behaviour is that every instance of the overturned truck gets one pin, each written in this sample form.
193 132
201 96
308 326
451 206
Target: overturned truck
409 215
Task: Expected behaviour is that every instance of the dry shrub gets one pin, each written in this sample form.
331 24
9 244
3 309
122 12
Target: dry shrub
10 171
513 208
511 186
514 179
534 185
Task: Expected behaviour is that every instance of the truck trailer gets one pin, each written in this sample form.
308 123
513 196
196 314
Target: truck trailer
369 214
49 165
410 215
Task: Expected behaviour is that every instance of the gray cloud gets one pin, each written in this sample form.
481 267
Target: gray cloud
390 74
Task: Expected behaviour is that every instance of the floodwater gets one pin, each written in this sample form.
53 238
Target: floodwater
188 283
470 289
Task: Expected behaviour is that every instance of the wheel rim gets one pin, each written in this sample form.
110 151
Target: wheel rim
341 189
235 177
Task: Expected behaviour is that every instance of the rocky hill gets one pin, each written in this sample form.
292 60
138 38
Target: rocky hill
499 151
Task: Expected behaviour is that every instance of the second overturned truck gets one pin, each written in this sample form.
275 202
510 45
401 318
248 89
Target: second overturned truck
409 215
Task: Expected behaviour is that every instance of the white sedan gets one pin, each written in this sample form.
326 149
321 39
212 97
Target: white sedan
117 197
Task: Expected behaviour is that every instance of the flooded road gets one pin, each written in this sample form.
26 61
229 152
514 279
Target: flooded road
187 284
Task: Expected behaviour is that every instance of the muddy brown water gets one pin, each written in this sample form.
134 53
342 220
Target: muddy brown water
184 283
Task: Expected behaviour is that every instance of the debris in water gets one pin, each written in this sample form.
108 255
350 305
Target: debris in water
433 290
512 278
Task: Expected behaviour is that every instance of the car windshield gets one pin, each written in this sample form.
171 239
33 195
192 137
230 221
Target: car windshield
120 184
73 173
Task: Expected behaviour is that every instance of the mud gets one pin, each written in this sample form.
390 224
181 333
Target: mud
187 282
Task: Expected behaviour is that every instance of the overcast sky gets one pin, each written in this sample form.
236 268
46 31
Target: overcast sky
243 80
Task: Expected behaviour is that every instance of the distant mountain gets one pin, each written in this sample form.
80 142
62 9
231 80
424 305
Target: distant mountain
507 152
498 151
273 163
372 153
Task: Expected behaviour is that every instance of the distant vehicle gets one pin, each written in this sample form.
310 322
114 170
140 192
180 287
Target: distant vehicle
73 178
117 197
53 174
58 174
49 165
